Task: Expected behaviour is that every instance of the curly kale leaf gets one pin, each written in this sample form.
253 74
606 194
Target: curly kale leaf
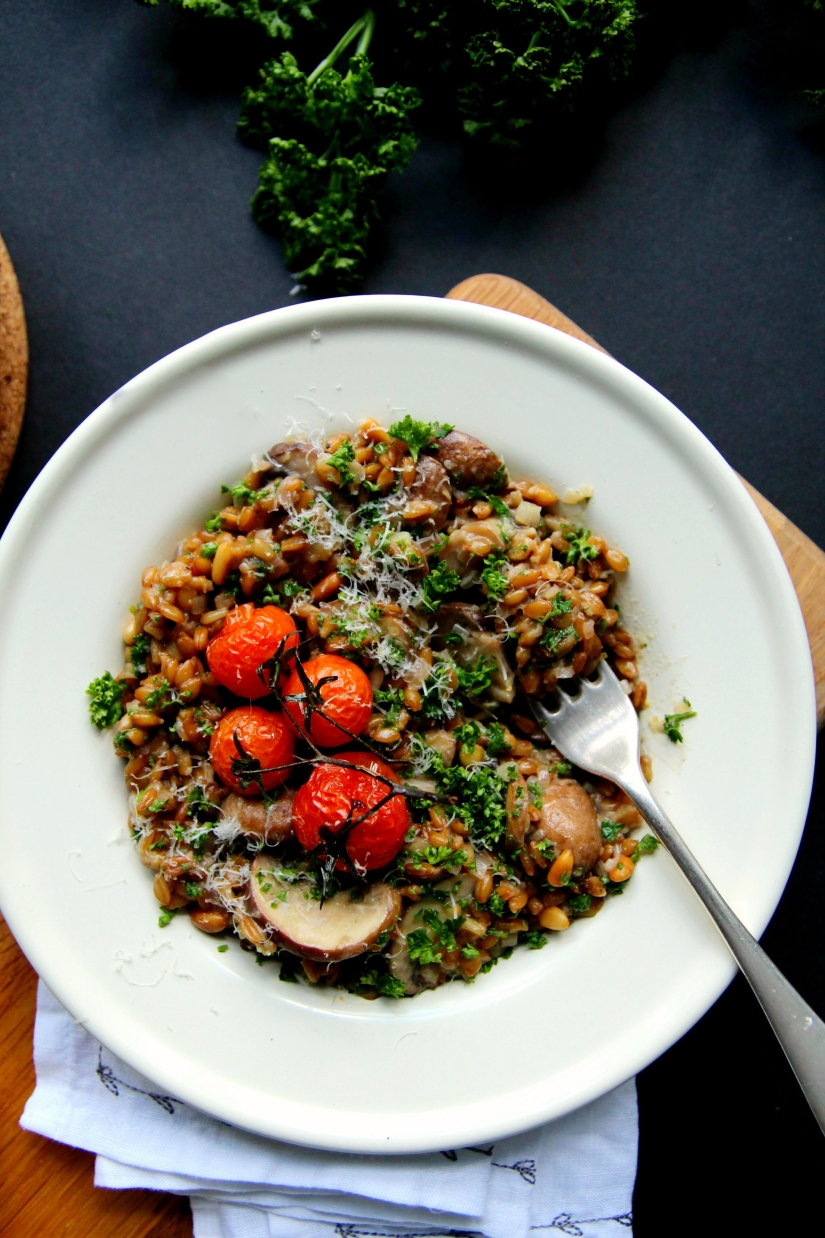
332 141
275 18
536 61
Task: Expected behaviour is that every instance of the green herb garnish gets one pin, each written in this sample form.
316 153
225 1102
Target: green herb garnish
673 722
418 434
106 703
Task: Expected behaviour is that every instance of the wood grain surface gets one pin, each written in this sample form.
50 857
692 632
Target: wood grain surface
14 361
48 1188
803 558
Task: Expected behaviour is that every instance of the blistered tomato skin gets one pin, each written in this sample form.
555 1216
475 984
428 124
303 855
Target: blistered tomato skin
347 700
264 735
333 796
249 637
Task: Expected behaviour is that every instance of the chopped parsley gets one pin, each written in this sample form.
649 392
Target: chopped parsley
467 735
609 831
496 740
223 949
341 459
161 695
479 678
563 769
387 986
199 807
418 434
673 722
214 524
534 938
498 505
393 699
496 905
554 638
420 948
241 494
437 856
439 582
444 930
493 577
470 952
579 902
209 550
288 588
536 797
481 800
645 846
561 606
139 653
106 703
579 547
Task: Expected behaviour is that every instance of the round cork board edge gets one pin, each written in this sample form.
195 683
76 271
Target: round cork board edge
14 361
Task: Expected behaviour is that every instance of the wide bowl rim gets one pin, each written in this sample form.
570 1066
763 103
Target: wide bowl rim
470 1123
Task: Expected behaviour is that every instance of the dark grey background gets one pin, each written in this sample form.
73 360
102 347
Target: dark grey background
690 242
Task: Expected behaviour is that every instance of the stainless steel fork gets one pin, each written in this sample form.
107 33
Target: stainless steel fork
598 730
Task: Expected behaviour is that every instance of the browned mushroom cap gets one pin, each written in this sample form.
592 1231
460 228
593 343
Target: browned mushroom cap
468 461
271 822
569 820
432 485
343 927
297 458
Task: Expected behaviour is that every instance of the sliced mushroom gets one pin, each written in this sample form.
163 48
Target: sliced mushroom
399 963
346 925
468 461
271 822
444 743
569 820
466 620
475 539
466 614
295 458
431 485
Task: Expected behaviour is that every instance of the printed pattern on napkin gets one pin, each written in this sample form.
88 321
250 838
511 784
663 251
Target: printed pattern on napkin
574 1176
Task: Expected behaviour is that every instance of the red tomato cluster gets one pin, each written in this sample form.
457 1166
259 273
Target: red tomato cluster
333 796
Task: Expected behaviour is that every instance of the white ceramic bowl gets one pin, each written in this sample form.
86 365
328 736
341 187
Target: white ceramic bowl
547 1030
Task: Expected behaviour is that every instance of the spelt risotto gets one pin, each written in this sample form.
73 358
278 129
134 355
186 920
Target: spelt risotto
323 714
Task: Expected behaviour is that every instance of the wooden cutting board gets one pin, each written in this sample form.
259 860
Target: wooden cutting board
14 361
47 1188
803 558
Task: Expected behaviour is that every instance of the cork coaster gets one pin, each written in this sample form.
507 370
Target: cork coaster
14 361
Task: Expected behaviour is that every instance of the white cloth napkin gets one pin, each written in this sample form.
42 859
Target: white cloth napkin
574 1176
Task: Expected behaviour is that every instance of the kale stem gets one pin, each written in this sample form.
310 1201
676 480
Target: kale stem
561 9
364 26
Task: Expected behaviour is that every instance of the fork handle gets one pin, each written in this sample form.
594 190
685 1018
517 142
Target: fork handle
798 1028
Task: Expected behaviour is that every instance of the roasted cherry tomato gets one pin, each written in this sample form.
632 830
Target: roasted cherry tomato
334 795
266 737
347 700
249 637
